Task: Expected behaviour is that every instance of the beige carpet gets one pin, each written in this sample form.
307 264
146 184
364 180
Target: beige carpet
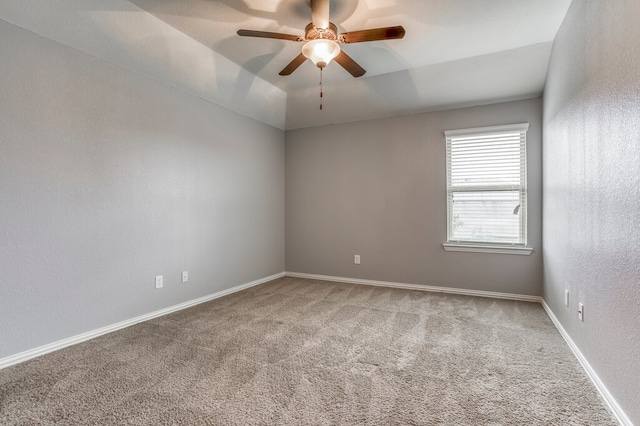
298 351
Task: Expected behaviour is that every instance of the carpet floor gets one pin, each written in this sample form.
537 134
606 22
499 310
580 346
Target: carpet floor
296 351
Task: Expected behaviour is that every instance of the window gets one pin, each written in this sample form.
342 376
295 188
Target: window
487 189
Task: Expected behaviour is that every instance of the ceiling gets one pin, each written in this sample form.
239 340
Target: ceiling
455 52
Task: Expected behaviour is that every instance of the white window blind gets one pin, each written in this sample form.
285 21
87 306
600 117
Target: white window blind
487 185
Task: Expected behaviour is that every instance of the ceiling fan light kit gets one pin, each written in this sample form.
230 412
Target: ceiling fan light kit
321 51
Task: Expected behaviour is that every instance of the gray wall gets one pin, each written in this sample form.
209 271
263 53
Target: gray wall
378 189
108 178
592 189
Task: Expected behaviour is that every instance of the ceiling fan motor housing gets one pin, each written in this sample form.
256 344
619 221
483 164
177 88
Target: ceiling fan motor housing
313 33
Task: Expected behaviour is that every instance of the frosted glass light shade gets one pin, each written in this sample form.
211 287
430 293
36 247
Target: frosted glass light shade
321 51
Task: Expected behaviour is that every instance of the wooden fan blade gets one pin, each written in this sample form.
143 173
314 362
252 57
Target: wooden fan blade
293 65
320 13
267 34
386 33
349 64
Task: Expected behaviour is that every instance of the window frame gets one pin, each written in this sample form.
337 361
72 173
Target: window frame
505 247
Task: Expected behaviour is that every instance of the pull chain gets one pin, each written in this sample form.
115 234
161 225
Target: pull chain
320 88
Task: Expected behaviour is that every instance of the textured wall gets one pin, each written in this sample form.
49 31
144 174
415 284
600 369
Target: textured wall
592 189
108 178
378 189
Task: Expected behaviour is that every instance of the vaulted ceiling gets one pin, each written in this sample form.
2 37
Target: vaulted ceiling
455 52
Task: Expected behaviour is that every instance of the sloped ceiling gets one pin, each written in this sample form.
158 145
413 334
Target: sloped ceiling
455 52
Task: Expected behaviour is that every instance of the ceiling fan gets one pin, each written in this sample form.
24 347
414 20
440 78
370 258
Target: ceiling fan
322 40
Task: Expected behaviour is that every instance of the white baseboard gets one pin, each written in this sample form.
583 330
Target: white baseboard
32 353
450 290
604 392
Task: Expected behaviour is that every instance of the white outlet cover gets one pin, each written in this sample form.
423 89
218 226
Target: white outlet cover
185 276
566 298
356 259
581 312
159 281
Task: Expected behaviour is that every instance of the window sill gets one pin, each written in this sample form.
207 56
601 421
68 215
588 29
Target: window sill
479 248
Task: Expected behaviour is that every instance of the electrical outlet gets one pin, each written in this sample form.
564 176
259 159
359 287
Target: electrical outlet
566 298
581 312
185 276
159 280
356 259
